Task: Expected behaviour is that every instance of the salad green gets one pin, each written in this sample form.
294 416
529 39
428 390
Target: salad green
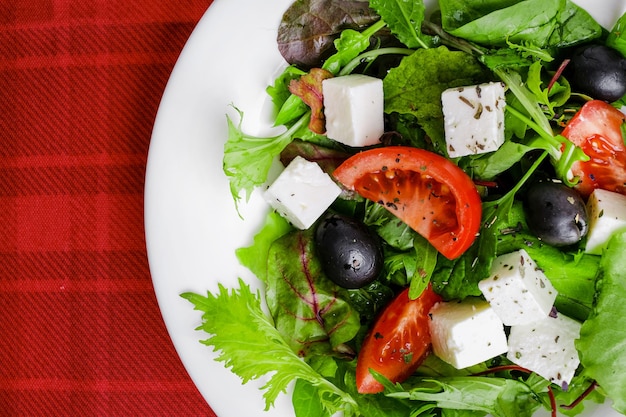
314 327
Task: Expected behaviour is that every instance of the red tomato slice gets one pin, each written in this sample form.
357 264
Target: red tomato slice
398 342
597 129
431 194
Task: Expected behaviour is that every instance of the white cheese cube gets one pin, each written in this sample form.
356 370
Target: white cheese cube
466 333
473 119
546 347
354 109
517 289
302 192
607 214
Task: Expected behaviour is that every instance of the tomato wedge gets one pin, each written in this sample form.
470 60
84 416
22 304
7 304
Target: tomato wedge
397 343
431 194
597 129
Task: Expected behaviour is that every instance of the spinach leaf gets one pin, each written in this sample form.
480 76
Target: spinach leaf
527 21
309 27
308 309
456 13
617 37
602 340
543 23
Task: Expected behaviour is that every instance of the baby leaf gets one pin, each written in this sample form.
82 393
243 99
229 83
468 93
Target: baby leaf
306 306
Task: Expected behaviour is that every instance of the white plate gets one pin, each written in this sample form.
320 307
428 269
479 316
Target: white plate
192 228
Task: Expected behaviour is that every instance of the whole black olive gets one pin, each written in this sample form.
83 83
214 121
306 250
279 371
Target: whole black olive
599 71
350 253
556 213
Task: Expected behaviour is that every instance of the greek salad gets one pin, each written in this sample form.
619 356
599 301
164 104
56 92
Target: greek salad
447 221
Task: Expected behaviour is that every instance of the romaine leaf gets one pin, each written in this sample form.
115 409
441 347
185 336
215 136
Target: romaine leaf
602 340
248 344
308 309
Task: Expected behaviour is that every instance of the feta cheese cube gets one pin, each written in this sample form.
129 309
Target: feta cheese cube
607 214
546 347
466 333
354 109
302 192
473 118
517 289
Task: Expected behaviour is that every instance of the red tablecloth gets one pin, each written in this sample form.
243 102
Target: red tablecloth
80 329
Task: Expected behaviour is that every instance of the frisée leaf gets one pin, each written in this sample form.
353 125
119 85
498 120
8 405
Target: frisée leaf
248 158
249 344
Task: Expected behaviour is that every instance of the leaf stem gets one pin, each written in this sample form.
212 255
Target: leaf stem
371 55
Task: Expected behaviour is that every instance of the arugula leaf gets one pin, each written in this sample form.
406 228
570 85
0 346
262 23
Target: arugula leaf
501 397
349 45
553 96
248 344
404 18
602 340
308 309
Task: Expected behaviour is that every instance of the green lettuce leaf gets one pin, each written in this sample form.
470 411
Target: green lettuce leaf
254 257
602 340
414 87
248 344
248 159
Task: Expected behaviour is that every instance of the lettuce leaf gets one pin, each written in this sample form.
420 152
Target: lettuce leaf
254 257
248 344
414 87
602 340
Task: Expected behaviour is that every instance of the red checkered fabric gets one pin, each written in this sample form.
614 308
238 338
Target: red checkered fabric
81 333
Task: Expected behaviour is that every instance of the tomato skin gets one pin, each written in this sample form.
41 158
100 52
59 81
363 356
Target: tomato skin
428 192
597 129
398 342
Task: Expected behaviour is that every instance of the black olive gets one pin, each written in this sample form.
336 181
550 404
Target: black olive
556 213
350 253
599 71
